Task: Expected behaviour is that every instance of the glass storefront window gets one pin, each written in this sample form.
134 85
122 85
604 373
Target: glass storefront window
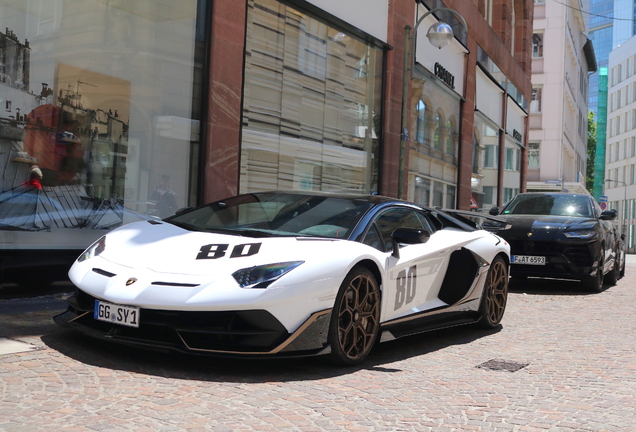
487 137
101 116
311 110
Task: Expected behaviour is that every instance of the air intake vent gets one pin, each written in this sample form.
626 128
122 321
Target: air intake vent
104 272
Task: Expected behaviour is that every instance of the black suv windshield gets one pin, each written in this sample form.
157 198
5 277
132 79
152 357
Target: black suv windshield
277 214
550 204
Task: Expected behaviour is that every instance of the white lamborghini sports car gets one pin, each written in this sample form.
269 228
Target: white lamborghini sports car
288 274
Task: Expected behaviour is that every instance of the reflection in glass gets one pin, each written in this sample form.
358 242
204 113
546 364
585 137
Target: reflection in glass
311 112
98 99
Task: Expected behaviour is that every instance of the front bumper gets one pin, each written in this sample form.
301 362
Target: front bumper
563 260
220 333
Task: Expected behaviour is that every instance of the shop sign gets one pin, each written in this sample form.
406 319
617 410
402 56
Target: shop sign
516 134
444 75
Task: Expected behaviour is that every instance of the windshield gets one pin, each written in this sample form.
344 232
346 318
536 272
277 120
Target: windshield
555 205
277 214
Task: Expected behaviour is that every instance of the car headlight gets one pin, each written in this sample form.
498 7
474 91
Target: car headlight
581 234
93 250
264 275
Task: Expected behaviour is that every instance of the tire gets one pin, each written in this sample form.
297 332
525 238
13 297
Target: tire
614 274
595 283
495 295
355 320
622 271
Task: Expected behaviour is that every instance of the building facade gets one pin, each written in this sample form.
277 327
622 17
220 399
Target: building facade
620 151
113 112
562 59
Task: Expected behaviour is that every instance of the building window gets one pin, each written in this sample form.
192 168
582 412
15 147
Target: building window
422 123
450 137
533 155
450 196
439 131
535 105
537 45
323 133
509 162
422 191
509 193
490 156
488 11
438 194
489 195
617 151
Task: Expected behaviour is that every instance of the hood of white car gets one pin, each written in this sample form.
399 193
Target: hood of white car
166 248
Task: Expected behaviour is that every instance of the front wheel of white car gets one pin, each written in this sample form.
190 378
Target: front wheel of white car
355 320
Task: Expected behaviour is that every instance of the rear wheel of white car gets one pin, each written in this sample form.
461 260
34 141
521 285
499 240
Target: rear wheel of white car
355 320
495 295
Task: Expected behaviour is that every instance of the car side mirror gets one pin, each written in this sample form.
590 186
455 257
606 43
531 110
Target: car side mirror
608 215
408 236
494 211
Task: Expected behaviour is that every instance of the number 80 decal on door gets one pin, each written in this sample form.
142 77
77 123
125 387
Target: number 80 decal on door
405 287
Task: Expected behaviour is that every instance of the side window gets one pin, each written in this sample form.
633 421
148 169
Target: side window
393 219
373 238
434 222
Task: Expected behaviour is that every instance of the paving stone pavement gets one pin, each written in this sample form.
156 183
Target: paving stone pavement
580 375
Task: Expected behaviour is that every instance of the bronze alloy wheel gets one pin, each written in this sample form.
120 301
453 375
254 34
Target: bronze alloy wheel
495 295
356 318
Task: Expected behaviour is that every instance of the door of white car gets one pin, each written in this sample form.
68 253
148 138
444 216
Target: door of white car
413 279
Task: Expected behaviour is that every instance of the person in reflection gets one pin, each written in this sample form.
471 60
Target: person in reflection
35 178
165 199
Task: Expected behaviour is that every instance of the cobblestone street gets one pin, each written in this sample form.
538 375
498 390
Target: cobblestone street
575 354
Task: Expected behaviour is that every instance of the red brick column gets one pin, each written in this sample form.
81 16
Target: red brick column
227 58
465 160
401 13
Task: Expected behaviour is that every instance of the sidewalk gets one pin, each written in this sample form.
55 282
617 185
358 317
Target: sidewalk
630 259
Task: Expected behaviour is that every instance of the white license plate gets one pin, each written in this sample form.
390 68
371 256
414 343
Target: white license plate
529 260
116 314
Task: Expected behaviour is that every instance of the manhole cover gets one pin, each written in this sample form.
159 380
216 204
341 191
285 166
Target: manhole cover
503 365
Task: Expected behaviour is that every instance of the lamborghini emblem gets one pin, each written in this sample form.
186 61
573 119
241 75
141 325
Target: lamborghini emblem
529 234
131 281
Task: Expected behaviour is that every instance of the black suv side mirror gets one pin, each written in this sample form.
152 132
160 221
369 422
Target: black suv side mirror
608 215
494 211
